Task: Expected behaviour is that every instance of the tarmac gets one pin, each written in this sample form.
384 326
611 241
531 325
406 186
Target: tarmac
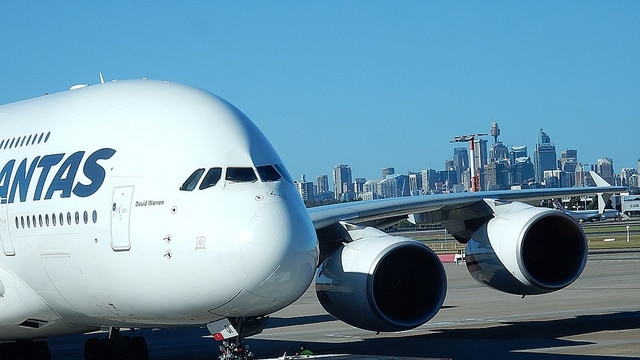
597 317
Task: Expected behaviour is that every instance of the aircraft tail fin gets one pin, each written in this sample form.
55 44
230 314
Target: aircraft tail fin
598 179
602 198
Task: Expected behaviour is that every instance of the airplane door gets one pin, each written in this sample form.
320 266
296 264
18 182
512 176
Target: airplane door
7 245
120 216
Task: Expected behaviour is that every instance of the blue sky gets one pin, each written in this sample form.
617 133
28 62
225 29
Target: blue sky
371 84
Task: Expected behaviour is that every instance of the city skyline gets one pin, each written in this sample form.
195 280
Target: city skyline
355 169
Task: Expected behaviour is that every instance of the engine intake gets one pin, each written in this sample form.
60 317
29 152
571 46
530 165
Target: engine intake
382 282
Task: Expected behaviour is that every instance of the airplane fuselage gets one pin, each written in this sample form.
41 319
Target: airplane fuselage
170 209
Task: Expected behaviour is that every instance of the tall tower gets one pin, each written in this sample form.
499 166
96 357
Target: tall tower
495 131
498 151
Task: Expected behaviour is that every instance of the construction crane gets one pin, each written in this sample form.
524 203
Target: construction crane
475 175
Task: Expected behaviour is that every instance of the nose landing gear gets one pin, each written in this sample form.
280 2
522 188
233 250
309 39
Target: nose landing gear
232 331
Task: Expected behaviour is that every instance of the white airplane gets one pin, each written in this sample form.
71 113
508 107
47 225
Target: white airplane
593 215
147 204
587 215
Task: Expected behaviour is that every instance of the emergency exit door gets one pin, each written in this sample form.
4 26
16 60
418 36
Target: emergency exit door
120 218
7 245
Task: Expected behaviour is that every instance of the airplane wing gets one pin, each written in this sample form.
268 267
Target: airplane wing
376 281
383 213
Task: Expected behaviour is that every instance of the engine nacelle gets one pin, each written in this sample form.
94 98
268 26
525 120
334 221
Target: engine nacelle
527 250
382 282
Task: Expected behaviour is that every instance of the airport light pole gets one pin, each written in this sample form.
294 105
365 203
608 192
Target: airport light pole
475 176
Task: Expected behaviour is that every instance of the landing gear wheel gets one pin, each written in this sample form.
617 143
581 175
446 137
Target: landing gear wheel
232 350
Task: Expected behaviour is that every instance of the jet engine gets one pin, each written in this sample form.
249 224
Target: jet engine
381 282
526 250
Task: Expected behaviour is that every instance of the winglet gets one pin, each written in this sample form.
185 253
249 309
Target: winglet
101 78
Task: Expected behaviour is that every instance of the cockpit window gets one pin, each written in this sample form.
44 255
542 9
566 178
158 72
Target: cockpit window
192 180
212 178
268 173
241 174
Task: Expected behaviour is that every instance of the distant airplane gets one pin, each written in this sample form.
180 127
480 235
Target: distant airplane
587 215
593 215
148 204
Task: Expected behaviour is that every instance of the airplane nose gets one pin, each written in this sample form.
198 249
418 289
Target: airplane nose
280 253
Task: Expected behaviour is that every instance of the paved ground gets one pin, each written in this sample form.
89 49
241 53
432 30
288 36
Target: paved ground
597 317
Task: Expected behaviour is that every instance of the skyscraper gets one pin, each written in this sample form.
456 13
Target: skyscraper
480 159
496 175
581 177
460 162
568 164
626 175
428 180
522 171
342 182
568 160
517 152
545 155
394 186
305 188
480 153
323 184
604 168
